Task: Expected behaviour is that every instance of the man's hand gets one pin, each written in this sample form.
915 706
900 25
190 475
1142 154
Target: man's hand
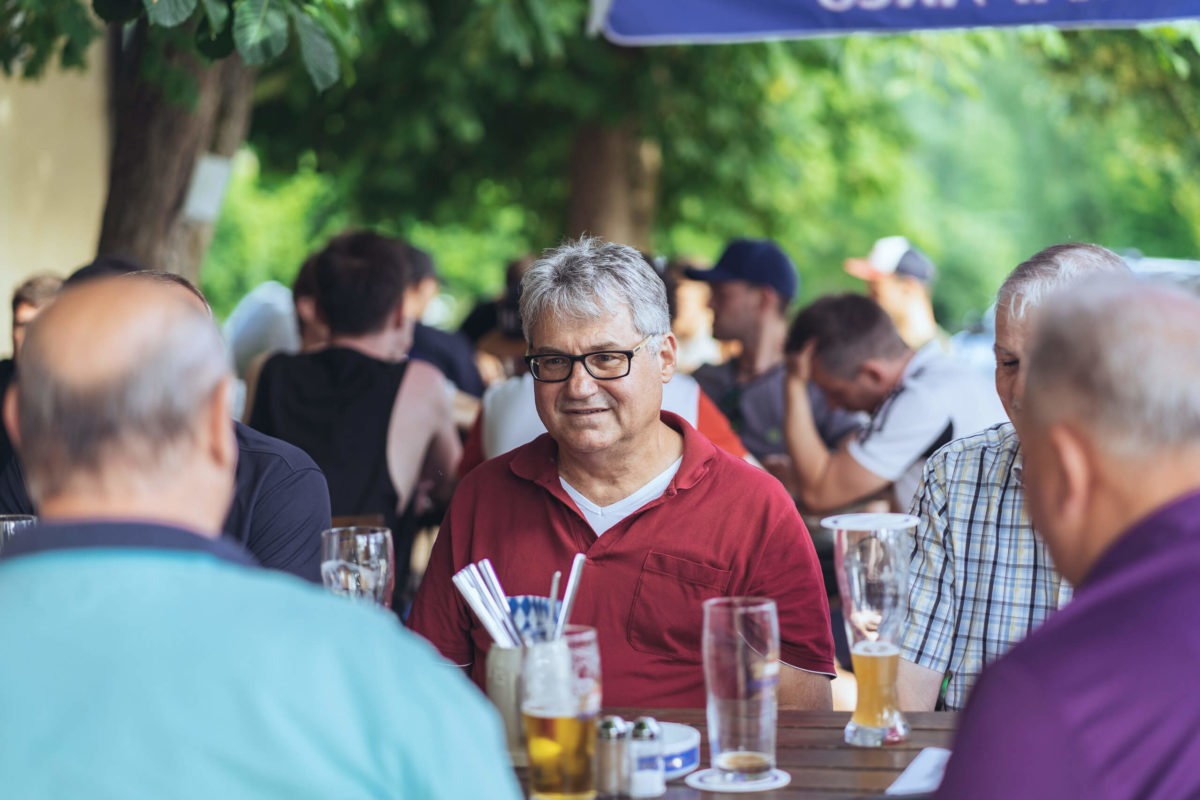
799 364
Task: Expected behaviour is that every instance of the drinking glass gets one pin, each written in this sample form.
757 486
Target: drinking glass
359 562
870 558
560 700
741 675
10 524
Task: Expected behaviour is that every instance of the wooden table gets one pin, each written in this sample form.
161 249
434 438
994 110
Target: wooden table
809 745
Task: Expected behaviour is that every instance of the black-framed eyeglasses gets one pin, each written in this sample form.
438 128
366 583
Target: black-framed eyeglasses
603 365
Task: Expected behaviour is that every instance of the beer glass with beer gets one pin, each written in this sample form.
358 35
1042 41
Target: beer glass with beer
741 674
560 703
359 562
872 574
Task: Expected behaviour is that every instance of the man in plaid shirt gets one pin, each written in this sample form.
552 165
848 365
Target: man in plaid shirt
980 577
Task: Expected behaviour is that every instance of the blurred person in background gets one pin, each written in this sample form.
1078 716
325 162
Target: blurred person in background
494 327
156 659
28 300
918 401
900 278
1098 701
451 353
752 284
980 578
379 425
691 316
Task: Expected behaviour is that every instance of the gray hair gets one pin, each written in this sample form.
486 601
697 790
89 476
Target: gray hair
141 414
590 278
1119 356
1051 269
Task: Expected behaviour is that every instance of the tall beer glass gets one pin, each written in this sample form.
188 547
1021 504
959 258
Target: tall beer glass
741 675
359 562
560 702
872 573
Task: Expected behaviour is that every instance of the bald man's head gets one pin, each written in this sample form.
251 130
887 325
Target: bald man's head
117 377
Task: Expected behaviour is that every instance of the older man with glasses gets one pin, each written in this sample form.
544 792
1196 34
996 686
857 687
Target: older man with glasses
665 518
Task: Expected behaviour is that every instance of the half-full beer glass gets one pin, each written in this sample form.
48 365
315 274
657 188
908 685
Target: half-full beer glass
359 562
741 675
560 690
872 575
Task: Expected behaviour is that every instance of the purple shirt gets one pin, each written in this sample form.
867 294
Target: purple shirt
1101 701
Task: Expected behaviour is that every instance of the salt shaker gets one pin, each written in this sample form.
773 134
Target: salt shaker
647 773
612 757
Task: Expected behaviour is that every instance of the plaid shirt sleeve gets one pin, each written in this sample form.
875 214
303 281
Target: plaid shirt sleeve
928 634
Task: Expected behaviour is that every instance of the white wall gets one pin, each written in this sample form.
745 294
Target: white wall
54 153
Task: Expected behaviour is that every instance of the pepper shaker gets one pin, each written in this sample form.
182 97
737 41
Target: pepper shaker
647 773
612 757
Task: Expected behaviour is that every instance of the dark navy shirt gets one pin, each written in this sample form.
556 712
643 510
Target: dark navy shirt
1100 701
280 503
132 534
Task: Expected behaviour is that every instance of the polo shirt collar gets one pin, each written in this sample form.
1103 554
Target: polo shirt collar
538 461
60 536
1163 529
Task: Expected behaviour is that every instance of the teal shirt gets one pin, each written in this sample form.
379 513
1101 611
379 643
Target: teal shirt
157 673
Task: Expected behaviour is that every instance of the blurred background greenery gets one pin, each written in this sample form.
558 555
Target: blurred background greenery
473 134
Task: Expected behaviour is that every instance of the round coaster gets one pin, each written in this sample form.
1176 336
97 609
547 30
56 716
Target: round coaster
711 780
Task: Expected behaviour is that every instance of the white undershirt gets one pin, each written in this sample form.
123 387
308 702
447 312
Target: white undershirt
603 518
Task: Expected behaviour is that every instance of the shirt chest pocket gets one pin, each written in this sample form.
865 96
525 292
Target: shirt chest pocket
666 617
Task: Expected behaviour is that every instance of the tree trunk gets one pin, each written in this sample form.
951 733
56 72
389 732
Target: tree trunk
614 184
157 141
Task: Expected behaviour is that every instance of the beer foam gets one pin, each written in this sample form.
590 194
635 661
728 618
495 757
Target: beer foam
865 648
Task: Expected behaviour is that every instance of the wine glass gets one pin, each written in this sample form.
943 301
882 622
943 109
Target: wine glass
359 562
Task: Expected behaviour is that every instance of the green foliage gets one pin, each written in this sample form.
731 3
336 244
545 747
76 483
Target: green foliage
981 147
169 13
268 226
260 30
319 56
33 32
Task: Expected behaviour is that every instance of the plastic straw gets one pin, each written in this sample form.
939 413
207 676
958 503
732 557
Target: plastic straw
554 590
569 594
492 582
471 592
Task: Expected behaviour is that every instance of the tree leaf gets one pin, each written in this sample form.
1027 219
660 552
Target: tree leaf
260 30
169 13
217 12
317 52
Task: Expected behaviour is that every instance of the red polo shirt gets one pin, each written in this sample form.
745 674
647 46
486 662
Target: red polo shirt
722 528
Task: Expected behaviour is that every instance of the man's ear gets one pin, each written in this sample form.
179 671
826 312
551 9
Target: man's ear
1074 461
220 443
874 371
668 353
10 415
307 310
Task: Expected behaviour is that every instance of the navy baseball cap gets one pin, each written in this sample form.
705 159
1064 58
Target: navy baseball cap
756 261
